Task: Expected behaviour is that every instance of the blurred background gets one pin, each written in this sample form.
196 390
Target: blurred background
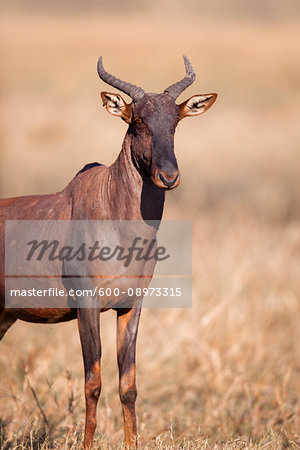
225 372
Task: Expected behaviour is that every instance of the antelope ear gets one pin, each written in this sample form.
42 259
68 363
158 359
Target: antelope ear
116 106
196 105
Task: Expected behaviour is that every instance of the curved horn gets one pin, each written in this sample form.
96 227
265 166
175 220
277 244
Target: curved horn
133 91
175 89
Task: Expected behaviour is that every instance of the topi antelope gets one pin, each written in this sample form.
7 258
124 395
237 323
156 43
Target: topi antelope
132 188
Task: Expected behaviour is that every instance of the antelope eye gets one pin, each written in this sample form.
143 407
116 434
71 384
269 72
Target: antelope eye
138 120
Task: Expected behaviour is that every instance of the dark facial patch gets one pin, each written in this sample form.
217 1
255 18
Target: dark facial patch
158 111
154 120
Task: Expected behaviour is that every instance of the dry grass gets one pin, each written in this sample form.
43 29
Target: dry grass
224 374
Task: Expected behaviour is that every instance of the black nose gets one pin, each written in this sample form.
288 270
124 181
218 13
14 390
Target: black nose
168 182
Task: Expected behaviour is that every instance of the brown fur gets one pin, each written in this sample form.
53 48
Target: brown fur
116 192
133 188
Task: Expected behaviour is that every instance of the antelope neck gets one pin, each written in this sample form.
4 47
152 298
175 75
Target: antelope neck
140 196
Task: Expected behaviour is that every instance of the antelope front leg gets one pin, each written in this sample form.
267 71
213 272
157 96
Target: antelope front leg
89 330
127 326
5 323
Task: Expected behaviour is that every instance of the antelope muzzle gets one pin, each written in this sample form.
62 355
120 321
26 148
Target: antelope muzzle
166 179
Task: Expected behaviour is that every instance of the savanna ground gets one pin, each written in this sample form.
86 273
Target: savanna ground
226 373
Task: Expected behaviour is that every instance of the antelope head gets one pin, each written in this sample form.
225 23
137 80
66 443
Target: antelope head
152 120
